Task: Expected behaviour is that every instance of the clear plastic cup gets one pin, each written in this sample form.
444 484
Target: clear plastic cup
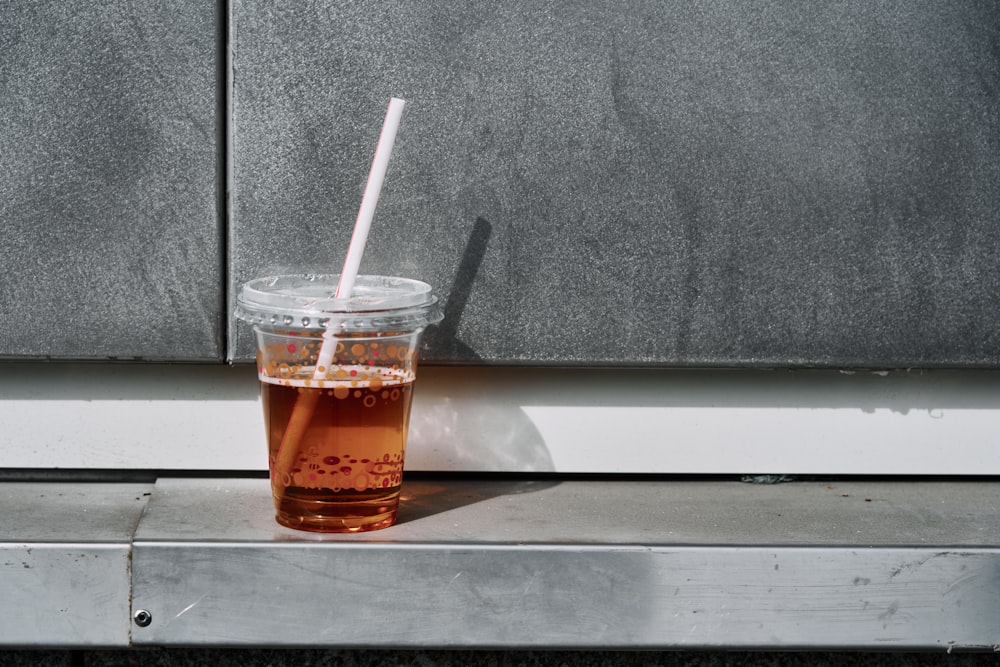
336 430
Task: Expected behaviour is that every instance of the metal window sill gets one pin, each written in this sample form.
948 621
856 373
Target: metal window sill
872 565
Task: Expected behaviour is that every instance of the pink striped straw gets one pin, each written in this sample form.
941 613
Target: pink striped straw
306 403
362 226
375 179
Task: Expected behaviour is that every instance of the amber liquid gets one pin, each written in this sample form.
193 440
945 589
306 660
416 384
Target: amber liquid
346 469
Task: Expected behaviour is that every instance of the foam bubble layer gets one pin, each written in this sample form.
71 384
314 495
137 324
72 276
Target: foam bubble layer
348 376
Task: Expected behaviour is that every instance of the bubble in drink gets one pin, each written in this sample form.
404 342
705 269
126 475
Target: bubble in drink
347 465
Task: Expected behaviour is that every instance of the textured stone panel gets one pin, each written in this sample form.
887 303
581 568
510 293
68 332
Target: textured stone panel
110 180
718 184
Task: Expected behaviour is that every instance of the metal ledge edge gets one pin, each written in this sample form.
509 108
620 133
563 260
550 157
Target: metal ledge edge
515 563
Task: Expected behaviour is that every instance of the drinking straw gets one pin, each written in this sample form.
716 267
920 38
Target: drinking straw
305 405
370 198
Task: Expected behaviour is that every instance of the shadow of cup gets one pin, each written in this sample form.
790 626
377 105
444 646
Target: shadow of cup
451 428
422 497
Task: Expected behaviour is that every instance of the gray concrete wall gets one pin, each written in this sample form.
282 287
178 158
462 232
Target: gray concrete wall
110 180
668 183
715 184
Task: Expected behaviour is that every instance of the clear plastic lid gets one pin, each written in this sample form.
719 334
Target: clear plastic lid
306 301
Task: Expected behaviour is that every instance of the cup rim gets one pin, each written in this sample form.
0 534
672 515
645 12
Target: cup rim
306 301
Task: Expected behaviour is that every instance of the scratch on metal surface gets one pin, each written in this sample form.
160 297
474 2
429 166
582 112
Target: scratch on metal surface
530 584
190 607
903 567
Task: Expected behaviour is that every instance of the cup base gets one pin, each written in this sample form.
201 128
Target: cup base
327 524
336 516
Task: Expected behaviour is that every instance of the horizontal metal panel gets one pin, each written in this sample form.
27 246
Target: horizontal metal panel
565 596
531 562
59 512
64 594
64 562
628 512
580 564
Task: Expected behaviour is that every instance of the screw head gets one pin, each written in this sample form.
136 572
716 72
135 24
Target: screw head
142 618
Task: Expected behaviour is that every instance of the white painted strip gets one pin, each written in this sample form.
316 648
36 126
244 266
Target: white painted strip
766 440
124 416
731 422
483 419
